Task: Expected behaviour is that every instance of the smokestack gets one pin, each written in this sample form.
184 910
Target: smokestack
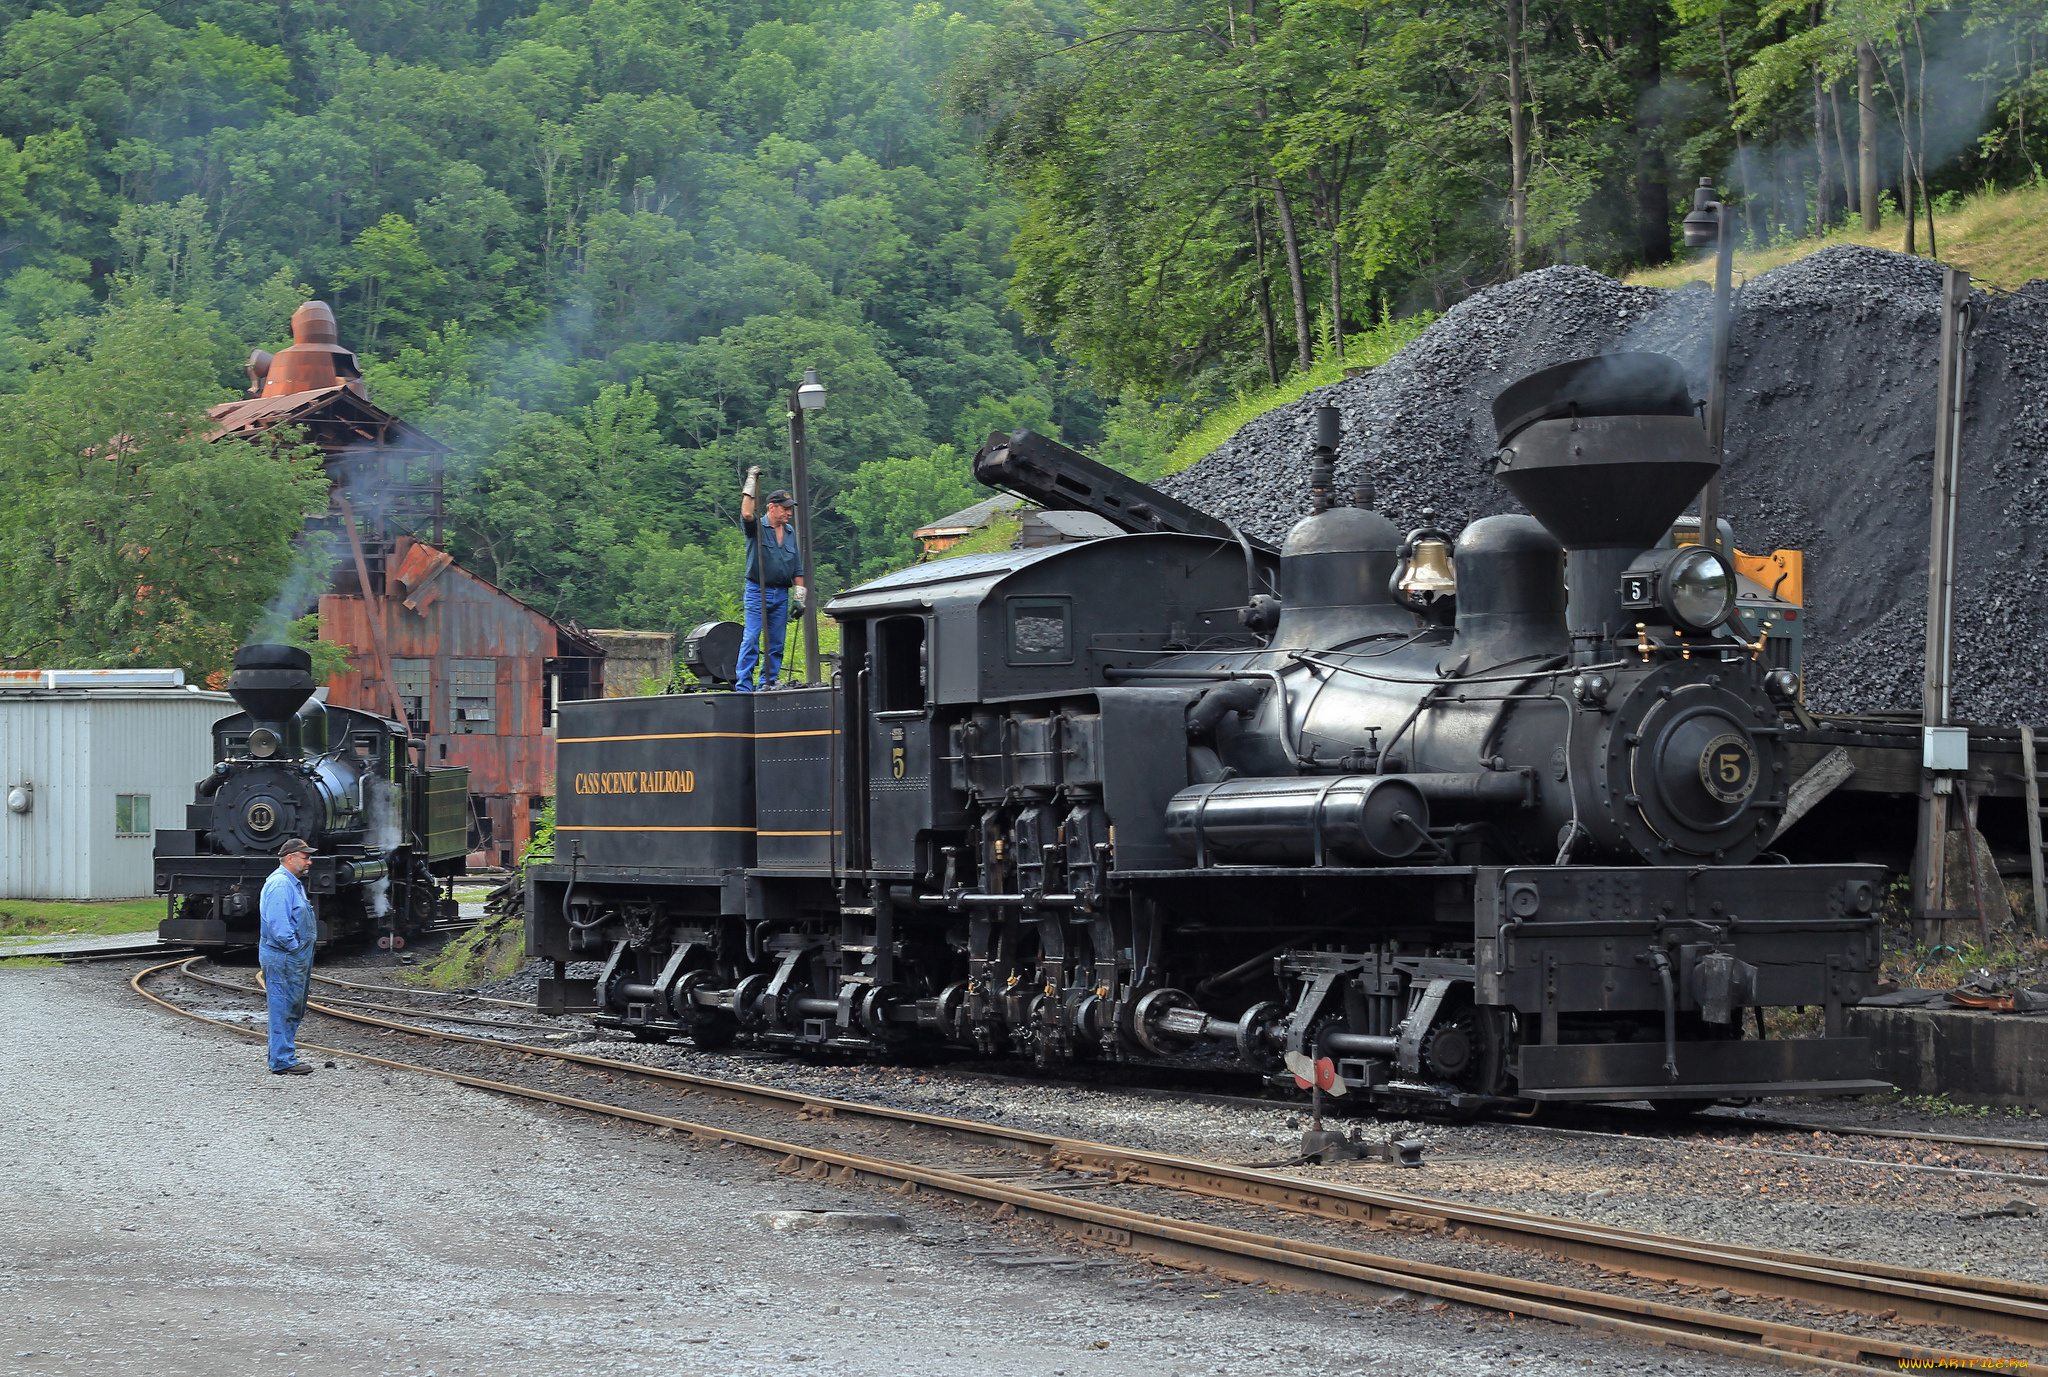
270 682
1605 452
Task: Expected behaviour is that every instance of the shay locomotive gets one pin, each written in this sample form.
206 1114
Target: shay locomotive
387 832
1462 849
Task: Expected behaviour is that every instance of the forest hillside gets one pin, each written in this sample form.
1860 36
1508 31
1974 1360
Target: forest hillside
591 244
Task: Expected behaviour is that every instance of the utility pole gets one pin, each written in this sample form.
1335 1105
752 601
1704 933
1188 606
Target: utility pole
1945 749
1866 132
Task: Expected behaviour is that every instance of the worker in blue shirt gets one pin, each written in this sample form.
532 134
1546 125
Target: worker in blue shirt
285 952
775 577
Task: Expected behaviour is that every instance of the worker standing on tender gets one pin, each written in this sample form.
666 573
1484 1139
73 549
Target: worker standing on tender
775 576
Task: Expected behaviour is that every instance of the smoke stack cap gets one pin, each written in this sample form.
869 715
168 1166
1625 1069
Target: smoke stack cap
1600 385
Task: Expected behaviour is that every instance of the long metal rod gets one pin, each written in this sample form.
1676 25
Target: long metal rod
800 476
373 612
1936 686
1717 377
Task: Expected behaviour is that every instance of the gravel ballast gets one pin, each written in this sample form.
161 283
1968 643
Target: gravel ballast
168 1207
1832 370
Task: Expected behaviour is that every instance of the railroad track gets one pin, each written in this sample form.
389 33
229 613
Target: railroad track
1697 1132
2014 1312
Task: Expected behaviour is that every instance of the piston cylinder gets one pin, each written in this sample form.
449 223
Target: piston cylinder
1299 820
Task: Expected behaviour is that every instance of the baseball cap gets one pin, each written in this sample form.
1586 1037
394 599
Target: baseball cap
781 498
294 846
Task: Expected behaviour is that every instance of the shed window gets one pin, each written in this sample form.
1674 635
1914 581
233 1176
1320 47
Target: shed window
131 815
473 697
1039 631
414 680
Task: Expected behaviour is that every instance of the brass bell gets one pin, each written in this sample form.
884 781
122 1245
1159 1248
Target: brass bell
1430 572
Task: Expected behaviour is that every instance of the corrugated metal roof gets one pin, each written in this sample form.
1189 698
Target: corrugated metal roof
970 518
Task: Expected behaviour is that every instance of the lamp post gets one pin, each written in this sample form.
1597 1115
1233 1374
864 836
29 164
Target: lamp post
1711 223
810 396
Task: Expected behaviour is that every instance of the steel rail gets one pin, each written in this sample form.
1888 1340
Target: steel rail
435 994
1842 1131
364 1004
1241 1254
1708 1145
91 953
1997 1306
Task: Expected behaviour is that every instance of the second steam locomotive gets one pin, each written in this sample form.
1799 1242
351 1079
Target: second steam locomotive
1494 837
387 832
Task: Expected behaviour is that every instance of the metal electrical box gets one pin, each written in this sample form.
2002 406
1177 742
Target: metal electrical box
1945 748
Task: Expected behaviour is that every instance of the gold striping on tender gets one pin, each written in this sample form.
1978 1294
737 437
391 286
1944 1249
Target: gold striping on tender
692 736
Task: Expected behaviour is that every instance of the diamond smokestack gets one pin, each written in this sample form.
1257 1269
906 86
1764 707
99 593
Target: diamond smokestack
271 681
1606 452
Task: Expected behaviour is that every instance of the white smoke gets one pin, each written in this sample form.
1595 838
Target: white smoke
312 563
382 833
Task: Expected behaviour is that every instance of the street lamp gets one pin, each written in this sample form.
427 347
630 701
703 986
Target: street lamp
810 396
1710 223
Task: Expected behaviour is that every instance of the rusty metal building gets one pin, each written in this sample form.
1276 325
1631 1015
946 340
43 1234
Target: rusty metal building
475 671
478 674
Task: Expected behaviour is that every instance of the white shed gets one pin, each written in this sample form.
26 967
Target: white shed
91 763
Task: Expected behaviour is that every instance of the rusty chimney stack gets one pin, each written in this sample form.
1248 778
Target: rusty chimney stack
314 360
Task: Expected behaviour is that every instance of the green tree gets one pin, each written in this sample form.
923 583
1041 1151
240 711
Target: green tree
393 277
129 538
887 499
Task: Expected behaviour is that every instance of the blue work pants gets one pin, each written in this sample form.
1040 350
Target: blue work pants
767 609
286 975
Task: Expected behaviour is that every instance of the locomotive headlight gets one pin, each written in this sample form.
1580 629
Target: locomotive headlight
263 743
1692 588
1697 589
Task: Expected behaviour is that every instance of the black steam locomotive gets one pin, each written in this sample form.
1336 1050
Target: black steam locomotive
1458 849
388 833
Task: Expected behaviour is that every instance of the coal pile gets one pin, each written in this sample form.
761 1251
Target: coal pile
1832 366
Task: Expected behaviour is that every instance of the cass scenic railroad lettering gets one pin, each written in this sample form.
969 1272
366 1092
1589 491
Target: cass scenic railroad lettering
638 782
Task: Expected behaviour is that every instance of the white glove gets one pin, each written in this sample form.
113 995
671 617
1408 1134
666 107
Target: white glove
752 487
801 595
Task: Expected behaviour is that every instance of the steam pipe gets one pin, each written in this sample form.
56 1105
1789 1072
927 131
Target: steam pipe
1359 1044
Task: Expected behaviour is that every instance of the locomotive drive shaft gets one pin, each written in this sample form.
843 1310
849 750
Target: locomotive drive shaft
1505 798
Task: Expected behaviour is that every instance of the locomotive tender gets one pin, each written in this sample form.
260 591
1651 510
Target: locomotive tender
386 831
1127 797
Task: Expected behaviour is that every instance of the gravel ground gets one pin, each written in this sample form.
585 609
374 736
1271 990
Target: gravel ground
1830 433
173 1209
1715 1179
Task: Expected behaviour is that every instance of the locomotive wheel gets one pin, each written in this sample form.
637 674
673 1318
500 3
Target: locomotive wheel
1451 1050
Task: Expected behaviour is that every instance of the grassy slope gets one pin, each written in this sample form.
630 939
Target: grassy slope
1369 349
36 918
2000 238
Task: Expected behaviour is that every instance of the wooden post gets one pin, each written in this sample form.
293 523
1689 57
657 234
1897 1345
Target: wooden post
2027 763
1936 678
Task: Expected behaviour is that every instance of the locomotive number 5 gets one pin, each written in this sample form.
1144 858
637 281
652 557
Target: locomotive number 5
895 762
1728 768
